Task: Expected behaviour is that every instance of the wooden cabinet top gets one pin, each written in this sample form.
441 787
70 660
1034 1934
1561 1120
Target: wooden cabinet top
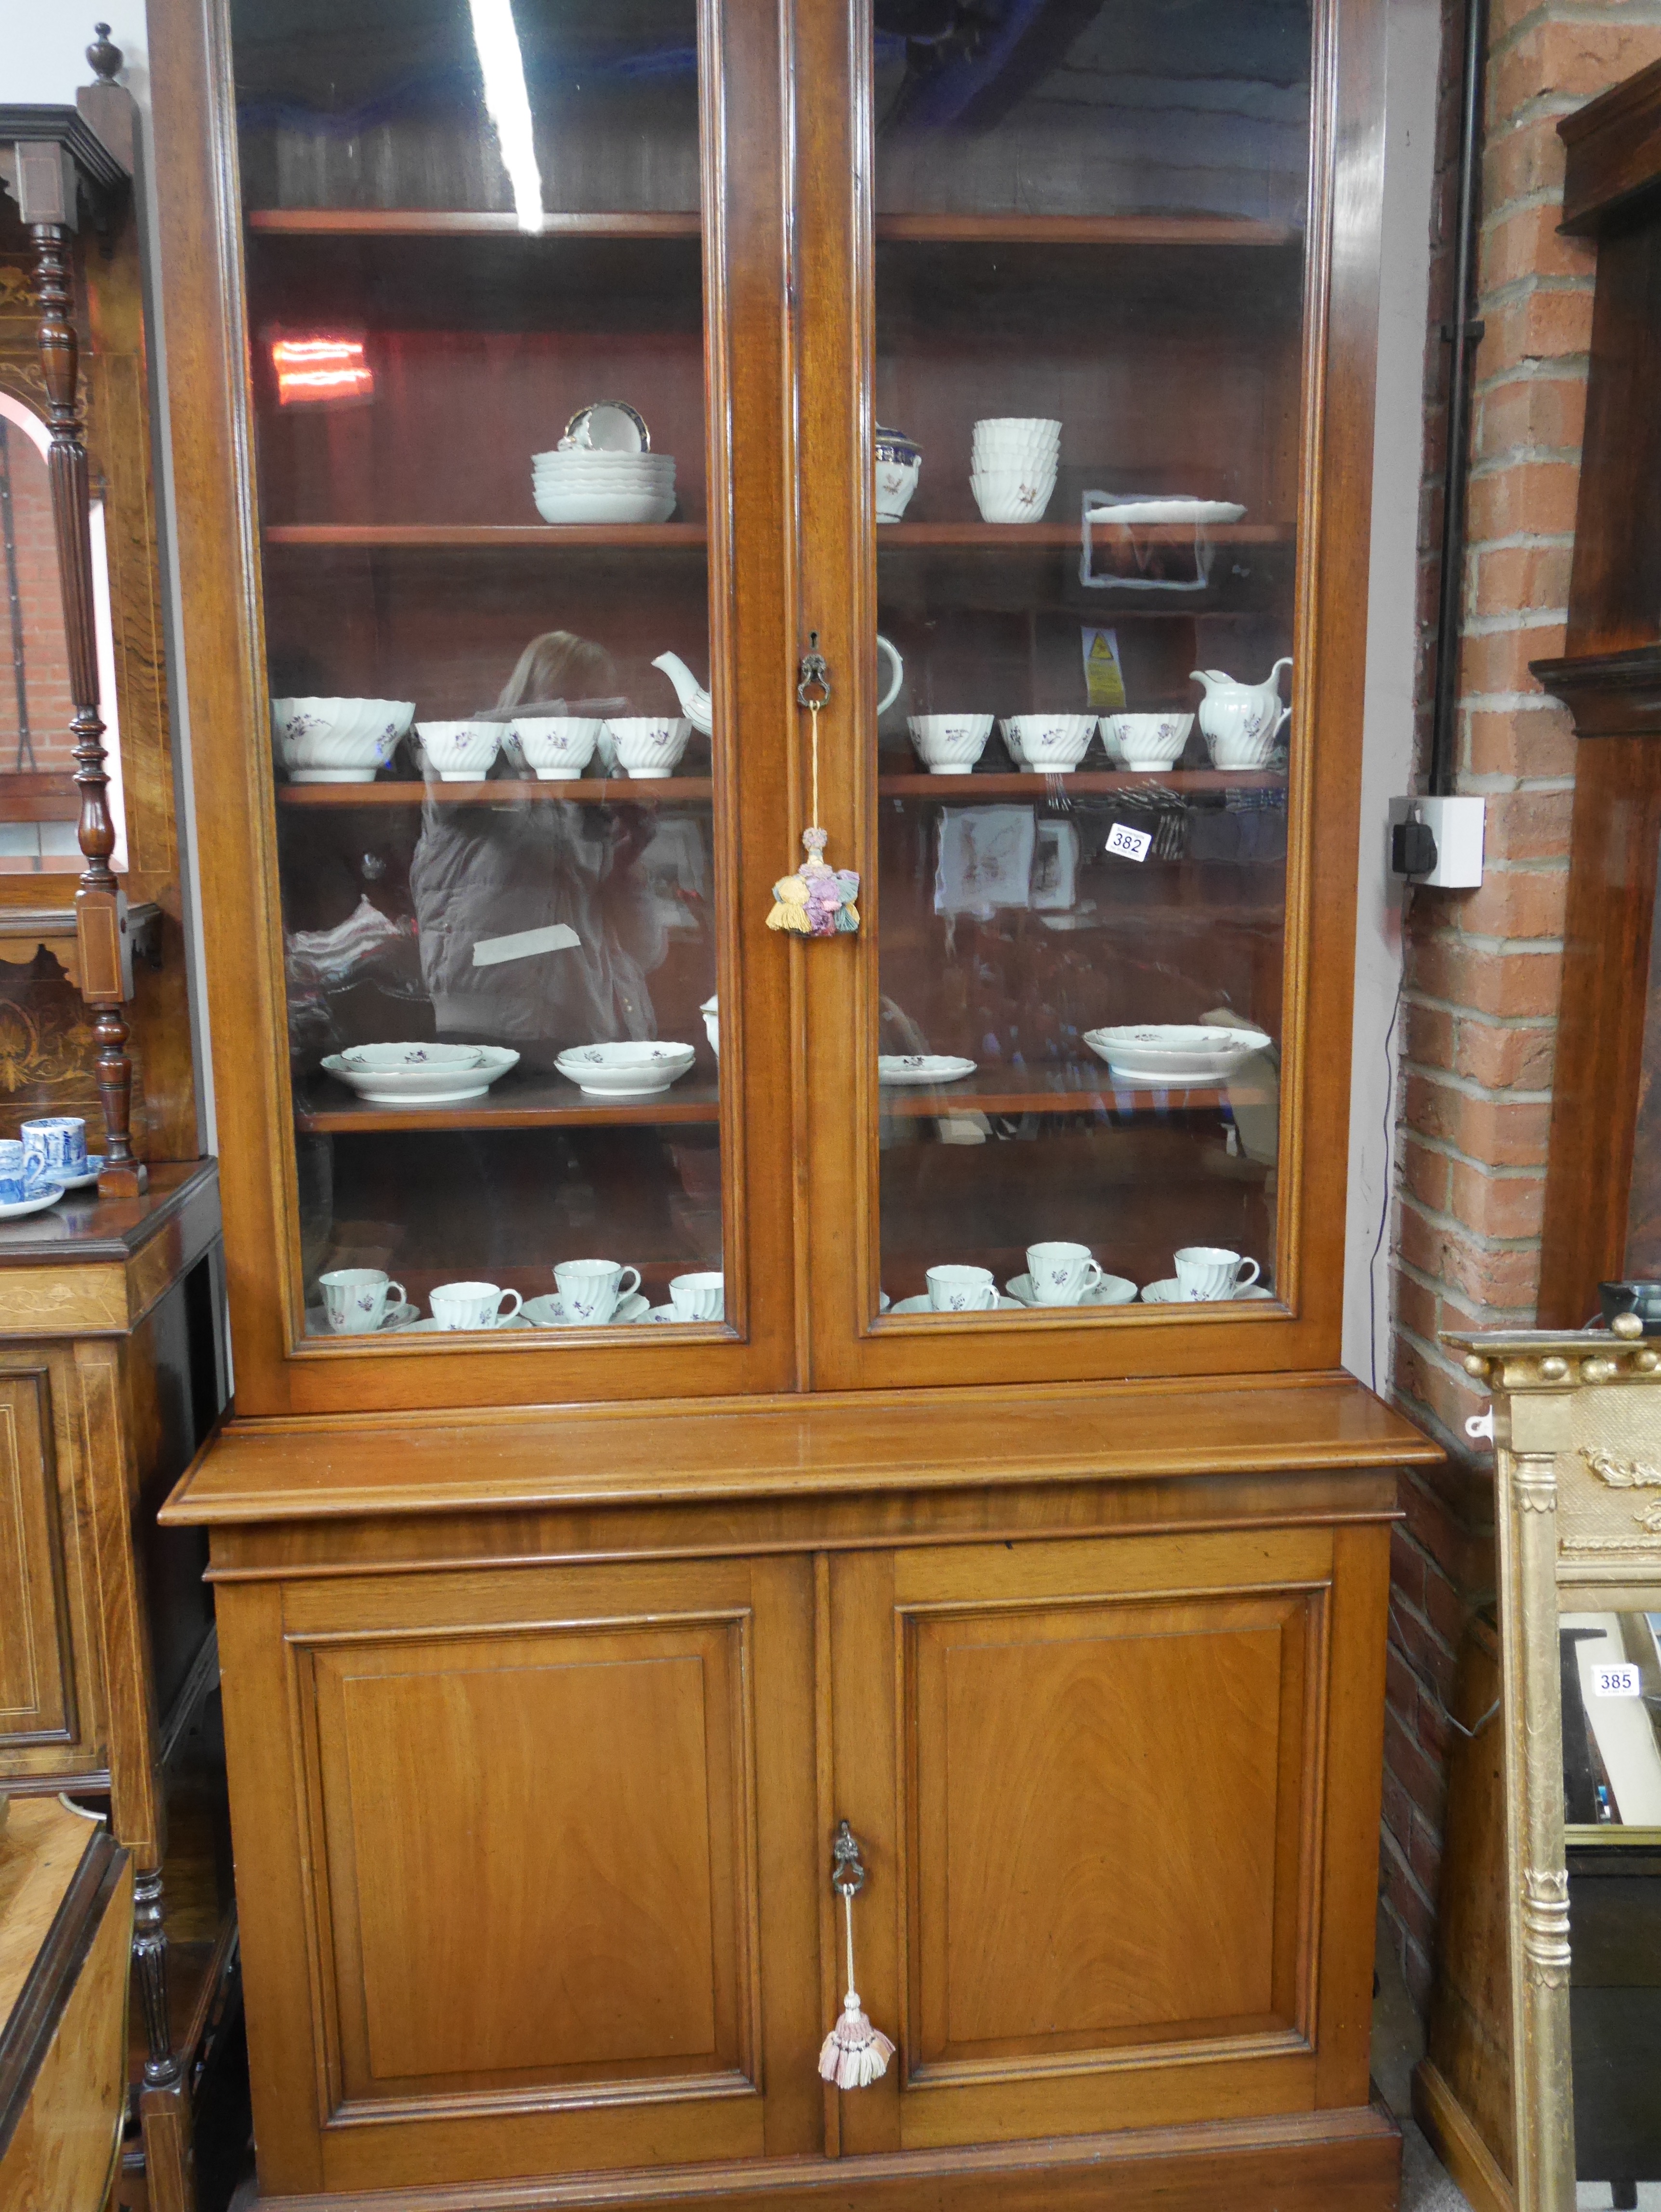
95 1266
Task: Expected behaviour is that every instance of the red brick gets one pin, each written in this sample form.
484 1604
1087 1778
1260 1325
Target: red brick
1523 159
1435 1529
1427 1174
1497 660
1407 1566
1537 497
1550 324
1495 1205
1527 825
1420 1975
1505 1059
1425 1855
1427 1037
1416 1308
1397 1809
1443 966
1501 1279
1531 741
1564 56
1527 243
1515 903
1442 1397
1401 1690
1418 1775
1518 579
1447 1610
1505 1132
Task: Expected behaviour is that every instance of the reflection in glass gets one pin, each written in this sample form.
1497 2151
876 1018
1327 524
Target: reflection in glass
476 295
1612 1719
1089 273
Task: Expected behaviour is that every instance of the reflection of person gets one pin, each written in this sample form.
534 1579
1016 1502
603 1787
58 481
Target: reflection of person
486 872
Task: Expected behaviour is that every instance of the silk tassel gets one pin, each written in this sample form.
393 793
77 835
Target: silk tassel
854 2054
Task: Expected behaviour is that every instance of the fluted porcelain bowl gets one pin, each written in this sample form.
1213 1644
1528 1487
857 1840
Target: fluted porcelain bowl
949 744
1051 744
1149 741
420 1074
1175 1051
459 752
556 748
649 745
338 740
1017 494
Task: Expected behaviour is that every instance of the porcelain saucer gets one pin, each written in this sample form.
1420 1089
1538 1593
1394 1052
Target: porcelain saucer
1111 1290
49 1195
922 1067
431 1327
549 1312
317 1322
95 1169
668 1312
1166 1294
922 1305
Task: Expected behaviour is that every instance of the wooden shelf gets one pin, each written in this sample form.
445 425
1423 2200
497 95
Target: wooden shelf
1082 1087
504 791
1047 536
456 222
1013 228
537 1102
1085 782
999 228
545 537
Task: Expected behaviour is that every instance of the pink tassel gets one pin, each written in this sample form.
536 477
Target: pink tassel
854 2054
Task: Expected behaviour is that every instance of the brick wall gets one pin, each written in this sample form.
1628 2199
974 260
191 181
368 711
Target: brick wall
1482 973
45 652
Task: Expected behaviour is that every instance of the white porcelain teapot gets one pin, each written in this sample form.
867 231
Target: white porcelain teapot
699 710
1241 721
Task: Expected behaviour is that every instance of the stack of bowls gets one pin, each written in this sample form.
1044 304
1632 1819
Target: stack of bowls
578 485
338 740
1013 471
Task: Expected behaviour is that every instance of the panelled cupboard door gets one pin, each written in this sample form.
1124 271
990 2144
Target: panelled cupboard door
1110 1793
1088 314
553 1902
491 657
37 1677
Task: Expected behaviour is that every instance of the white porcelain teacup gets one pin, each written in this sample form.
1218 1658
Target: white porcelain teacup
472 1305
1061 1273
1209 1270
699 1297
356 1298
649 745
962 1290
592 1290
1148 741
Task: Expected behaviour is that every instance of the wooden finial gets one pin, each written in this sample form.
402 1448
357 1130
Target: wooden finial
105 59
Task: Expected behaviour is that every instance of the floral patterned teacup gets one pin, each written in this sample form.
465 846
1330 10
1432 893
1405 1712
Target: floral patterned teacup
1061 1274
962 1290
356 1298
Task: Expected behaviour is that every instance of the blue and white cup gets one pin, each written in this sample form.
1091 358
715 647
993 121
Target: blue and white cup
14 1184
54 1149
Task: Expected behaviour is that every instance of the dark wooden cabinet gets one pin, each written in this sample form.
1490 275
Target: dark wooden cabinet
556 1651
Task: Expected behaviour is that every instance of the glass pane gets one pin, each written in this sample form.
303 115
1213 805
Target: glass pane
1089 275
476 305
1611 1667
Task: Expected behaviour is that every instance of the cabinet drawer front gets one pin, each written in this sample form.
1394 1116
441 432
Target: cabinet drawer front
37 1682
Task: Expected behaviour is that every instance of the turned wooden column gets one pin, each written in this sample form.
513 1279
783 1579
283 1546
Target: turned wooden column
52 175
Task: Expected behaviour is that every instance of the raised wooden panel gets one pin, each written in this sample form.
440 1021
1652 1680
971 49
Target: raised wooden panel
37 1682
539 1866
1103 1850
1093 1787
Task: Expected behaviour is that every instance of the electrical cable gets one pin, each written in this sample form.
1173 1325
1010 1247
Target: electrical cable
1389 1133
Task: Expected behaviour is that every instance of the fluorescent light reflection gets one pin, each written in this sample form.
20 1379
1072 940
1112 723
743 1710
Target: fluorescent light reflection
508 104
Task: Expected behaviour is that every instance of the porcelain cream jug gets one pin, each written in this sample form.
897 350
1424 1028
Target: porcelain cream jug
699 710
1241 714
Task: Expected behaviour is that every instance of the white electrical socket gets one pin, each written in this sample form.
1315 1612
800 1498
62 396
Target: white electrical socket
1456 826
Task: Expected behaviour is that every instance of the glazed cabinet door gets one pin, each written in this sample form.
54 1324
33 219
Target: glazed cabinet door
1089 304
486 370
527 1863
1119 1802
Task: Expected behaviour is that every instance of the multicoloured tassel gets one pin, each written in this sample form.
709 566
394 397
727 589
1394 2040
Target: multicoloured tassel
818 901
